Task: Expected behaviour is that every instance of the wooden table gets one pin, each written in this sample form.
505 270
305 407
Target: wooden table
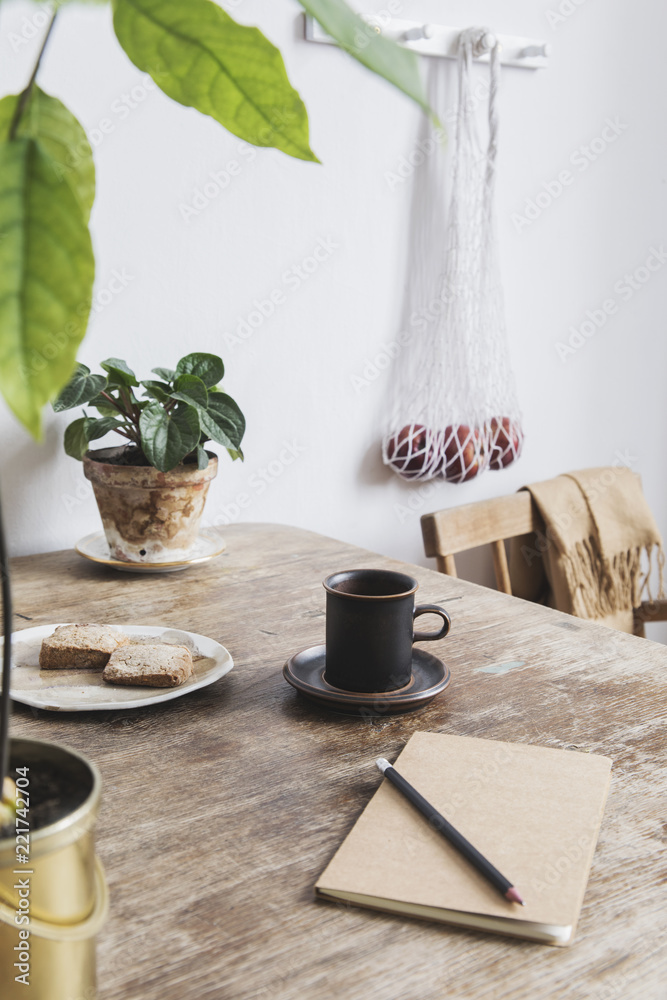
220 809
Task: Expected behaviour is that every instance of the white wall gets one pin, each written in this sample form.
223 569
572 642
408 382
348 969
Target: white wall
193 281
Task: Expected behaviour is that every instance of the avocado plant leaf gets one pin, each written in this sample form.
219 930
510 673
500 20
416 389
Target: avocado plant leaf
119 372
223 421
81 388
46 279
395 63
167 438
47 120
199 56
208 367
191 389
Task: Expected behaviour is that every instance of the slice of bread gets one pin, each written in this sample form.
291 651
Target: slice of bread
157 664
87 647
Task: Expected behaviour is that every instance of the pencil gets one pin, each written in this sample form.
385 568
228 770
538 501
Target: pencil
450 833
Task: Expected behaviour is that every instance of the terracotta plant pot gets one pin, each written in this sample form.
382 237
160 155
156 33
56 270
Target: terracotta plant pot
51 911
148 516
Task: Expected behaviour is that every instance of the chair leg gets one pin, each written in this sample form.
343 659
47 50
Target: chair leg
501 567
446 565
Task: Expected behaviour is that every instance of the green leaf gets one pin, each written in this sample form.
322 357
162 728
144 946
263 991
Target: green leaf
223 421
208 367
103 405
98 427
46 119
202 458
46 279
168 374
157 390
199 56
394 62
191 389
82 388
167 438
81 432
119 372
76 438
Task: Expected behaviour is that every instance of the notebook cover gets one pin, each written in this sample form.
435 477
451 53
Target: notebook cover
534 812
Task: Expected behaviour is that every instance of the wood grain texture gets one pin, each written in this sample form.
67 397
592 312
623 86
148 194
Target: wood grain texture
446 564
501 568
221 809
456 529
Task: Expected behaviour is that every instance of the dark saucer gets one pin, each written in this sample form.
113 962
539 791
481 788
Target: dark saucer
305 672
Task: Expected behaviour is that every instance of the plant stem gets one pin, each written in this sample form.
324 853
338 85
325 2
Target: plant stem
131 426
7 656
25 94
123 433
131 411
131 433
114 403
5 584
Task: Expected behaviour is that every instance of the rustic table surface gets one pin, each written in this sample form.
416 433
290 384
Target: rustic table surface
221 808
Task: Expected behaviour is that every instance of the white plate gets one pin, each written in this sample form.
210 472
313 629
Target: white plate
78 690
209 544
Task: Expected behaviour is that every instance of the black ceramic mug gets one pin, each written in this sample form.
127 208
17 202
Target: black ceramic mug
369 631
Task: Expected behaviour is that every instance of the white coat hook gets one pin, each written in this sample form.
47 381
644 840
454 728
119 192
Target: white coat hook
372 22
531 51
442 41
416 34
484 44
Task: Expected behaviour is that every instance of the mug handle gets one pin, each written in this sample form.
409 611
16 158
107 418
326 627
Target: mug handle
431 609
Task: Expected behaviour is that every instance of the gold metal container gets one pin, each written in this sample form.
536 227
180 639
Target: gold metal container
60 888
60 957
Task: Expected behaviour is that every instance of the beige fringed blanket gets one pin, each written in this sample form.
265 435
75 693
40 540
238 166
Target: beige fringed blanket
588 560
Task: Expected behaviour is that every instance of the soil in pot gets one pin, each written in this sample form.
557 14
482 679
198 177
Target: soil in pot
52 795
130 454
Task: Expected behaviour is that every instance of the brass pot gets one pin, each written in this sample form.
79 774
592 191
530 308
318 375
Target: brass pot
60 890
148 516
60 957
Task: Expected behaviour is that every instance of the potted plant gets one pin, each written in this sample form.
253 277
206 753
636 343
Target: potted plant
152 490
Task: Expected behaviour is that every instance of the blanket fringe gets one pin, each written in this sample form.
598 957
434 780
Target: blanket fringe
601 587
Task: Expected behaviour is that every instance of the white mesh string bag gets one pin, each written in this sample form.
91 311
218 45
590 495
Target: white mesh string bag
455 408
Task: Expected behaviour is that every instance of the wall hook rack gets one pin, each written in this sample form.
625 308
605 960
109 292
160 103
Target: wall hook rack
438 40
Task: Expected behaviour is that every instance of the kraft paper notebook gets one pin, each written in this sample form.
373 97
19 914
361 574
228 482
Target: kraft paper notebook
534 812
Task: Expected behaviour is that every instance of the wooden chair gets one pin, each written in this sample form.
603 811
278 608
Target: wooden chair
447 532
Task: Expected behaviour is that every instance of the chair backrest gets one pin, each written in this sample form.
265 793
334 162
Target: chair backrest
447 532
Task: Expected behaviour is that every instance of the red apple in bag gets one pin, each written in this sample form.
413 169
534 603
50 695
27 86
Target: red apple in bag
411 452
506 436
463 453
406 451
